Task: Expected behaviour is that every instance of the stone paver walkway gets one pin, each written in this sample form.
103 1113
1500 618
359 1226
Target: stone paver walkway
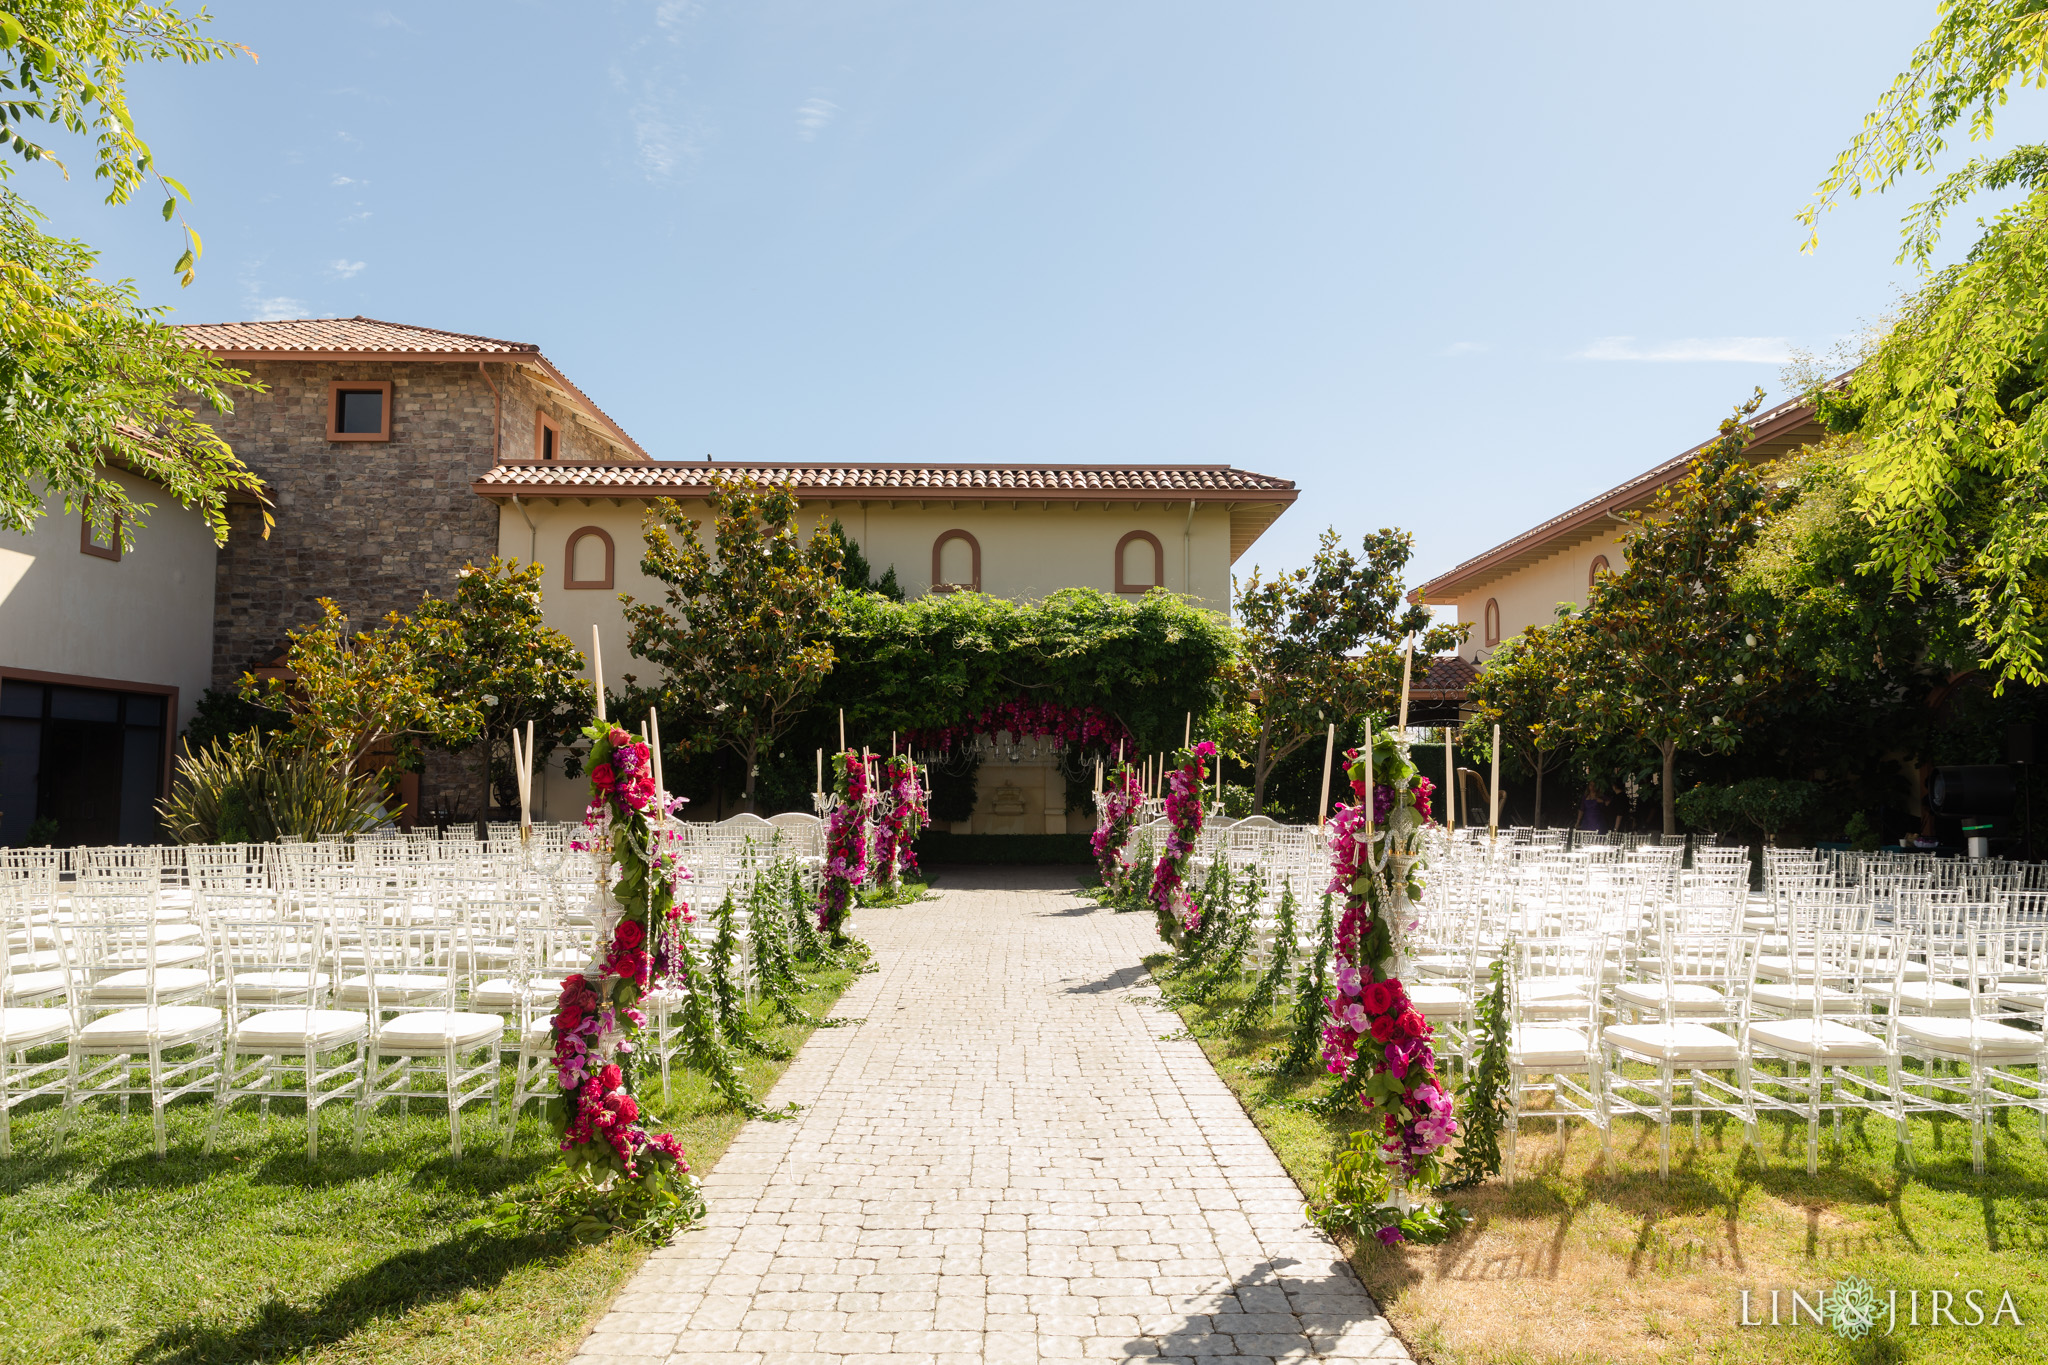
1005 1162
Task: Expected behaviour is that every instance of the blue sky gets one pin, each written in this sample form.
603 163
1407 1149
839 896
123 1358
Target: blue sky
1412 257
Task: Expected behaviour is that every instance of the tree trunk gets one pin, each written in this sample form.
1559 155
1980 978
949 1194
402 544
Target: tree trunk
483 819
753 753
1537 819
1261 770
1669 748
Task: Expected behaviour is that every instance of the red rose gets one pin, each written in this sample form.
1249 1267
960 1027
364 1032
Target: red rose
618 739
1413 1024
630 934
1378 999
628 1108
602 777
568 1020
610 1079
1383 1028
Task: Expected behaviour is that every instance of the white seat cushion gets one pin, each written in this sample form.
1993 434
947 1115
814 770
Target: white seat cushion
433 1030
1550 1047
539 1036
124 987
286 985
1954 1037
2021 995
501 993
1931 997
1799 999
27 986
1834 1043
289 1030
1692 1044
1439 1002
175 1025
167 955
394 988
1687 997
26 1028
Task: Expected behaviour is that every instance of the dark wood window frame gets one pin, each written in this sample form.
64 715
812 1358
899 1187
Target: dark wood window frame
164 690
569 578
938 557
1491 619
337 388
1599 566
542 425
1158 562
86 547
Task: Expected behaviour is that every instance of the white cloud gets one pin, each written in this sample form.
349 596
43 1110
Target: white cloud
1465 348
345 268
346 180
1742 350
813 116
276 308
670 13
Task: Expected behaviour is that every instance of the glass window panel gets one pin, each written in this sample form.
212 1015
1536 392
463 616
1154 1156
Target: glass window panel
144 709
362 412
21 699
21 743
77 703
141 757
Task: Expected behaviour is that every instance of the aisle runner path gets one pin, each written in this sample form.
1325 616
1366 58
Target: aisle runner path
1004 1163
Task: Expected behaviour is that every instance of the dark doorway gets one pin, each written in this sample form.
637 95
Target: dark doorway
88 760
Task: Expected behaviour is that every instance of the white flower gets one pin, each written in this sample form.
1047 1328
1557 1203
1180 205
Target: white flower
1738 680
490 700
1749 640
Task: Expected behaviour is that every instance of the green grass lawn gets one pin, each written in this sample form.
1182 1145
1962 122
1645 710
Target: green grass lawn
257 1254
1591 1261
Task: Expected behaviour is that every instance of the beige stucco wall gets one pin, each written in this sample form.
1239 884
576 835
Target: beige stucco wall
1026 553
1529 596
147 618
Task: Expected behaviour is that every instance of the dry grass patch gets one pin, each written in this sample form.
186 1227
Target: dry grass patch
1592 1259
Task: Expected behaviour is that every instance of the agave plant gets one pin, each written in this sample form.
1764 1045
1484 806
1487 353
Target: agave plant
248 789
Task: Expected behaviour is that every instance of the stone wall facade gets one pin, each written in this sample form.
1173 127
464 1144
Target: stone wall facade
373 525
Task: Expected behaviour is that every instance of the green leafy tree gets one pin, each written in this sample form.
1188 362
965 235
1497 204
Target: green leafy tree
89 379
1665 654
1519 691
349 695
856 574
743 638
1321 644
509 666
1948 408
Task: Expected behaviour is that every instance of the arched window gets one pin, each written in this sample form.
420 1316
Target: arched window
587 560
956 563
1600 566
1140 562
1492 622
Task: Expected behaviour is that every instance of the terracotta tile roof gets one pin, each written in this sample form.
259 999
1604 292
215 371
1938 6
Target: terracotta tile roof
1448 676
364 338
860 482
329 336
1777 431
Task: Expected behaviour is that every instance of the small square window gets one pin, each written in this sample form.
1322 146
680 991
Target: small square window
100 545
359 411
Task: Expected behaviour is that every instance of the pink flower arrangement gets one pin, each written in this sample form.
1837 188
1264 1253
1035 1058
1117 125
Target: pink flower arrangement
1375 1035
1073 726
846 840
1121 798
1171 901
597 1020
901 822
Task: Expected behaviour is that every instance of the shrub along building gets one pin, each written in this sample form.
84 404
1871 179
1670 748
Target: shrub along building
395 454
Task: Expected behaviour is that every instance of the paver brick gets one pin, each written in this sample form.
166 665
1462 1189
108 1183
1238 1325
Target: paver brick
1025 1172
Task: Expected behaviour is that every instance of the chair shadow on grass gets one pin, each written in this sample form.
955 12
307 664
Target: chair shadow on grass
397 1285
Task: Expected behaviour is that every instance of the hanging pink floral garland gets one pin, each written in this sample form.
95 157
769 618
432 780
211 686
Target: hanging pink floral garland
1118 804
846 839
597 1021
1376 1039
902 821
1074 726
1172 902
